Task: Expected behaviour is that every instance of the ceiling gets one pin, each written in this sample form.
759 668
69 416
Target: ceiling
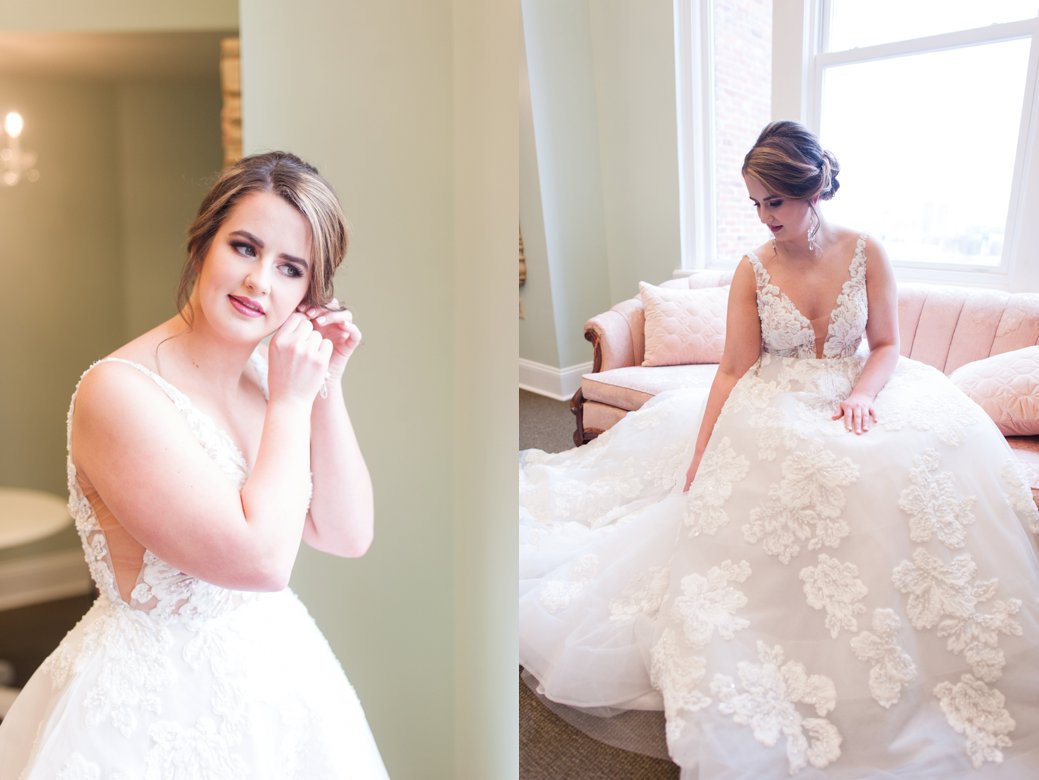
111 56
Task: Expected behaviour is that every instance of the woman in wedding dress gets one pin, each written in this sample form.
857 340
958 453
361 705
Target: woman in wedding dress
199 459
837 577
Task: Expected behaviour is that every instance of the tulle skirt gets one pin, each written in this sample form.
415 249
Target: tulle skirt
819 604
253 693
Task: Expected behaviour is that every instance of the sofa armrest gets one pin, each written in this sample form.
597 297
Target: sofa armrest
617 336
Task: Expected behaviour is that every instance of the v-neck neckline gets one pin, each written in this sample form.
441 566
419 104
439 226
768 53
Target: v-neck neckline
842 295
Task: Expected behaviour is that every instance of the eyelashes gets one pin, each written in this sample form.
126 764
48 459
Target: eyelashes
244 248
247 250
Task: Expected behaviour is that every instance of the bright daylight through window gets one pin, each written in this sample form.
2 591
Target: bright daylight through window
923 103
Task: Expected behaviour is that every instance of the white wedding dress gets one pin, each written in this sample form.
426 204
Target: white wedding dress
819 604
186 680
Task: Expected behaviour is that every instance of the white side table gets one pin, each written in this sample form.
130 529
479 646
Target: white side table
25 516
28 515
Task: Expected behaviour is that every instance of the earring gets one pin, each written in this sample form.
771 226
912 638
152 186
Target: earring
813 230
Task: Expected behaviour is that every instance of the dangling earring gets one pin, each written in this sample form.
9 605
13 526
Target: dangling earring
813 230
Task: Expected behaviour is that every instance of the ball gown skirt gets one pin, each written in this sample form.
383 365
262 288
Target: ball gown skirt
819 604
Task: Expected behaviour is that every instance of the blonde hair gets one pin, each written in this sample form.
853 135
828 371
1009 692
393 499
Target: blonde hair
788 159
302 187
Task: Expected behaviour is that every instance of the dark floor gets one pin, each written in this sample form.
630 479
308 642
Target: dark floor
544 423
552 749
29 634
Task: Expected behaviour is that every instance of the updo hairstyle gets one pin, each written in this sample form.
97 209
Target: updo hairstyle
301 186
789 161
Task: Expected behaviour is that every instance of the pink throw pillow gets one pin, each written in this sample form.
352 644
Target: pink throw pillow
683 326
1006 386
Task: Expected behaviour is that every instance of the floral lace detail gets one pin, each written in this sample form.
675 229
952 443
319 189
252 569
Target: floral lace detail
940 411
805 506
892 669
705 610
1019 493
708 604
719 471
642 596
835 587
767 699
976 636
947 596
677 674
786 332
78 767
134 675
978 712
162 589
556 595
934 506
936 589
848 322
200 751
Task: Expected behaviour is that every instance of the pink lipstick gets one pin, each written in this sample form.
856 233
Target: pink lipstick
246 306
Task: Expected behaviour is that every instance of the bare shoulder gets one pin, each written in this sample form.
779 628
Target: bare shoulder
113 389
743 277
763 252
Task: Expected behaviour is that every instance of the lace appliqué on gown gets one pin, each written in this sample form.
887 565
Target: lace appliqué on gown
185 680
812 586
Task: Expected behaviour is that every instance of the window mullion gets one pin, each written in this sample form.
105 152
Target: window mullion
1021 232
932 43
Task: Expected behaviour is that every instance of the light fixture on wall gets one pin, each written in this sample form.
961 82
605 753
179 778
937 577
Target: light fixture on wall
15 164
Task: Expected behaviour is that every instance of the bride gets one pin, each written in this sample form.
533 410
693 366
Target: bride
838 578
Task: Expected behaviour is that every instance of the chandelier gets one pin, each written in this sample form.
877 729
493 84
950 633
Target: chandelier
15 164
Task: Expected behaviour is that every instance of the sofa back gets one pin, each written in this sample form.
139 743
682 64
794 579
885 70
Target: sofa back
944 327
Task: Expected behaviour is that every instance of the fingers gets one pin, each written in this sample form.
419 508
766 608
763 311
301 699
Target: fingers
857 418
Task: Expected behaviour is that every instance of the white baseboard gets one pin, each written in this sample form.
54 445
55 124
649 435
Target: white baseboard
41 578
557 383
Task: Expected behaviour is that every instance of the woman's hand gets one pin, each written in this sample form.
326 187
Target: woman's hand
690 473
298 360
338 328
857 411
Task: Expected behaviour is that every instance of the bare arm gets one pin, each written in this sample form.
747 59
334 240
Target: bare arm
882 335
742 348
341 517
138 452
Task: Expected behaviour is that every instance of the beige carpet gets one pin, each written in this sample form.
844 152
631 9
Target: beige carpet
552 749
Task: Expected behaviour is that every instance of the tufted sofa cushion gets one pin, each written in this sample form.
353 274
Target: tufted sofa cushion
683 327
1006 386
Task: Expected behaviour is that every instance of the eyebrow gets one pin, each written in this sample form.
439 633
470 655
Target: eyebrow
256 240
767 197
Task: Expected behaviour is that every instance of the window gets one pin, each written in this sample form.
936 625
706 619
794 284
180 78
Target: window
928 108
724 81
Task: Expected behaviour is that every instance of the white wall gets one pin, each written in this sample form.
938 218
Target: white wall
400 105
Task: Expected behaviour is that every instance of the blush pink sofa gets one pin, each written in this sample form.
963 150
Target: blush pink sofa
945 327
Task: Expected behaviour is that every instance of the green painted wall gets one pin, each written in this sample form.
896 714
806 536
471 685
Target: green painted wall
118 15
600 164
61 301
169 152
400 105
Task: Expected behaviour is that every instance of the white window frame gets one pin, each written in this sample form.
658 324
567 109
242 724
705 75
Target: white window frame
694 85
1019 267
797 66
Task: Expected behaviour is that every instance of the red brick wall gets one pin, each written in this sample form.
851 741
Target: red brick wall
742 106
